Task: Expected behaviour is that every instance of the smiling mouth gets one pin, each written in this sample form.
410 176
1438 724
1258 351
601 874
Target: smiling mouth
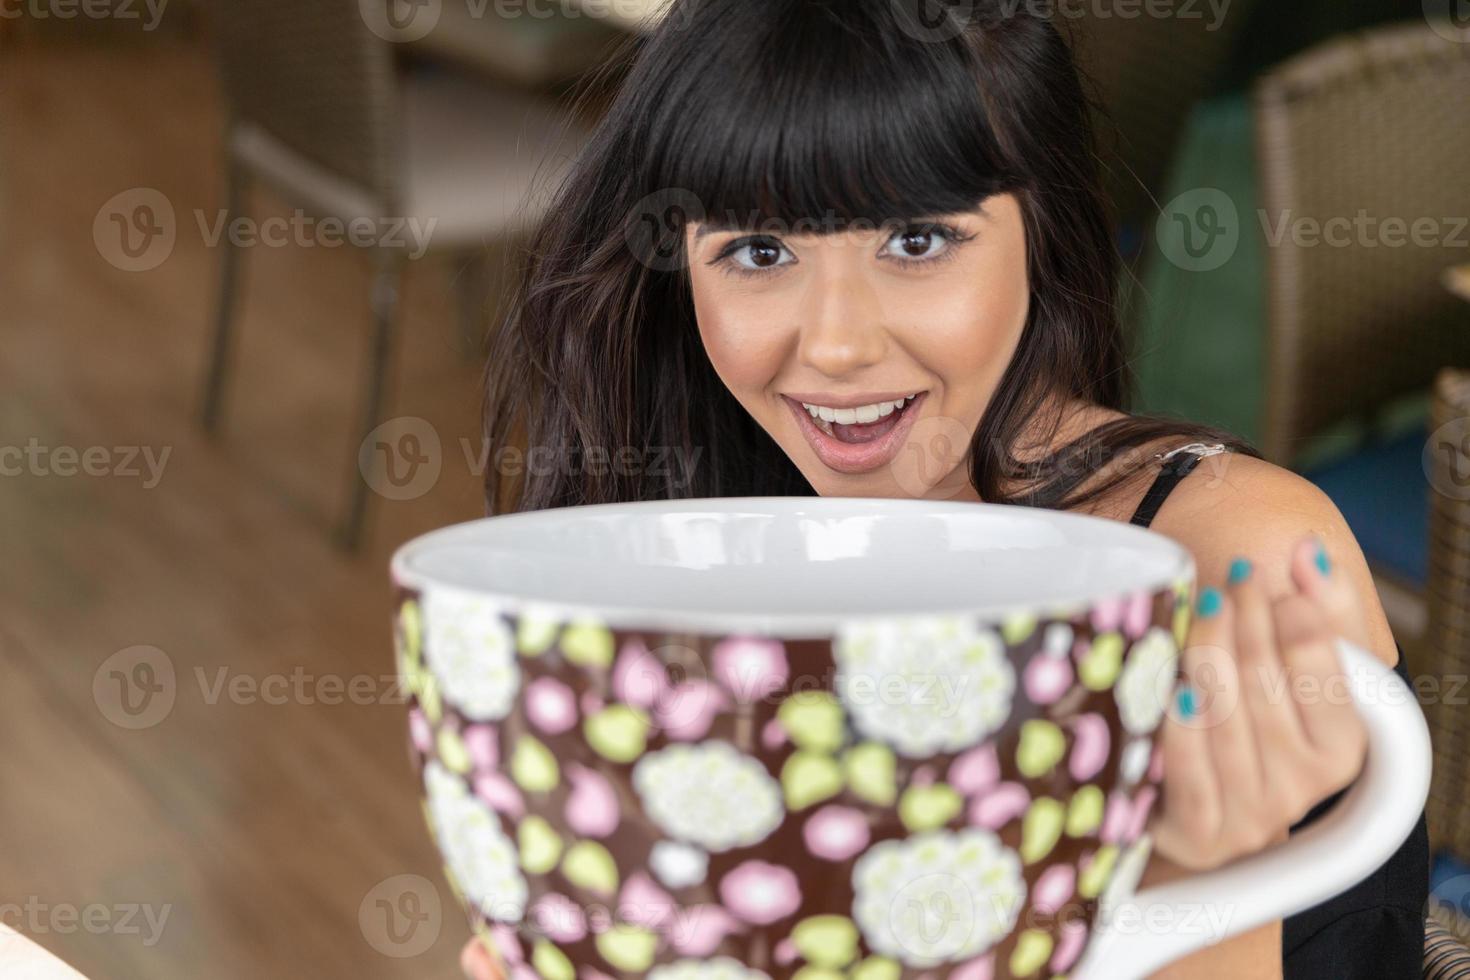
853 447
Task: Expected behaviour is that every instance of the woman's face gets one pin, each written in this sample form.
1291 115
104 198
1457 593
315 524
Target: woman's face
854 321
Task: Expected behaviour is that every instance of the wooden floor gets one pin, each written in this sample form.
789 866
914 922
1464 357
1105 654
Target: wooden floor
259 829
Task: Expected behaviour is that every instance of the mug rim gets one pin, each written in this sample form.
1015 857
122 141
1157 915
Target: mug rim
1177 566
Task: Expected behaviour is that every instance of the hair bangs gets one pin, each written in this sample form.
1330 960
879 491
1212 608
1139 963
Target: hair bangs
793 126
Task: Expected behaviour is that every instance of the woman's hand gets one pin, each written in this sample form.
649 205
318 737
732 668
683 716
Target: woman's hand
477 963
1273 730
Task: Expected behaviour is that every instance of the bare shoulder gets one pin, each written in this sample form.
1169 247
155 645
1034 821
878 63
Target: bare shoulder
1235 506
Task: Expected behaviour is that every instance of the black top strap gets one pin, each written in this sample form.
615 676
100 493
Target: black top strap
1178 464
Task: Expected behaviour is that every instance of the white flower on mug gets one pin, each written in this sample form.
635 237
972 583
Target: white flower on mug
938 896
484 860
719 968
470 651
709 794
924 684
1147 680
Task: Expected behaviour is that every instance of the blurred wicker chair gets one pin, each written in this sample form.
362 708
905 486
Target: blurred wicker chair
1356 132
319 112
1148 72
1445 955
1373 123
1446 650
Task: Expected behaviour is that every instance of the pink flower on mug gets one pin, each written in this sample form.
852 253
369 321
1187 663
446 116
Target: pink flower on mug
560 918
836 833
592 806
750 668
1090 744
687 712
760 893
976 770
643 903
638 677
550 705
502 794
700 930
483 744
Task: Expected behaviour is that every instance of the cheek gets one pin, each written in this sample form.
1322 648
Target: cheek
740 338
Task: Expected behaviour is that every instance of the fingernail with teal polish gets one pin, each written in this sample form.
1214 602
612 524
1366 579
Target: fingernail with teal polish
1240 570
1209 602
1324 564
1185 701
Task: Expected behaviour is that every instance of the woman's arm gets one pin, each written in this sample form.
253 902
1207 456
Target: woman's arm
1215 808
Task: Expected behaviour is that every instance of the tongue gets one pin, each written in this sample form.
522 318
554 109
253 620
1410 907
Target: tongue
866 431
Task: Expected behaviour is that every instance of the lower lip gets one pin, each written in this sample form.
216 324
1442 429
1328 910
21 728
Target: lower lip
854 458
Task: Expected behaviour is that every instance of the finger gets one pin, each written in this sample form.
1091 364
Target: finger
1312 571
1265 686
1190 820
477 963
1322 698
1234 754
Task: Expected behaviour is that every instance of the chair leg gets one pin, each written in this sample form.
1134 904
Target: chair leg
217 369
387 275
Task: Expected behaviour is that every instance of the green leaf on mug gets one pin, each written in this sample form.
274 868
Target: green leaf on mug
428 695
535 632
533 767
871 773
877 968
629 948
1017 627
1040 828
411 625
588 644
452 751
809 777
1086 812
1181 625
1091 881
551 963
589 865
826 940
1033 947
929 807
813 719
618 732
539 843
1100 665
1042 747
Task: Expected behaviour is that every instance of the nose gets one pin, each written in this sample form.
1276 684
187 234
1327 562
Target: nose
842 323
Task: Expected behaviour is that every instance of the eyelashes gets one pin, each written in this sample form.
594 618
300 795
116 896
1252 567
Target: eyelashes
727 259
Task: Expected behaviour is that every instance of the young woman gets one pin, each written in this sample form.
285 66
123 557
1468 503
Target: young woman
838 247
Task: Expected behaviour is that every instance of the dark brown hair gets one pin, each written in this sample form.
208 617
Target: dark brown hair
742 113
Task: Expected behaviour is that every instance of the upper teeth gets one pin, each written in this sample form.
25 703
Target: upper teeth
852 416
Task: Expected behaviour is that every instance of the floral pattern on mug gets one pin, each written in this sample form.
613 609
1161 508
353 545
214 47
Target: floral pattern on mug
686 790
484 860
1147 681
938 896
471 652
924 684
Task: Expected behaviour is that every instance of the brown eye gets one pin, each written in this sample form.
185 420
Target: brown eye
764 256
758 254
917 244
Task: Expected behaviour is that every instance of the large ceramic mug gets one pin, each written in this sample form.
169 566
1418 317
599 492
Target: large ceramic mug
772 737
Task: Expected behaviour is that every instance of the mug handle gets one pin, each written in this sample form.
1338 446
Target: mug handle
1150 929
